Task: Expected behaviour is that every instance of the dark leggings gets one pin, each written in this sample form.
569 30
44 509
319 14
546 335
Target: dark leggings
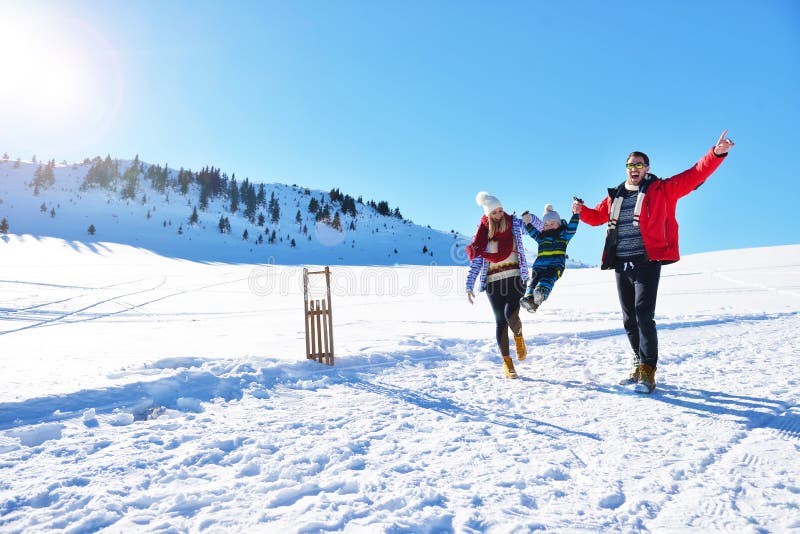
637 285
504 296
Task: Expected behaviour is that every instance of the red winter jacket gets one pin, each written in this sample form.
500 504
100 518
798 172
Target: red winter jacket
657 221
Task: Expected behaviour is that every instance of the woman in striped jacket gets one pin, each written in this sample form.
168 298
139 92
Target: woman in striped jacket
497 261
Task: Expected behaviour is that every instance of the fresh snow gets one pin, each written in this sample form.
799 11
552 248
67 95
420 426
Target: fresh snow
152 394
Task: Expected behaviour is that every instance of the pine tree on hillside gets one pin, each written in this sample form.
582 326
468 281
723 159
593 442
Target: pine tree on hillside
274 209
43 207
324 214
261 197
4 226
233 195
102 173
194 217
313 205
184 179
91 229
52 213
245 235
250 202
5 156
205 193
349 206
337 222
130 179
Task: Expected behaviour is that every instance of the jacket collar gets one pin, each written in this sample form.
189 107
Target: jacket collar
648 180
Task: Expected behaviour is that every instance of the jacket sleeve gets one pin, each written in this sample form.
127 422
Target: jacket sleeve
474 270
572 227
684 183
534 228
597 215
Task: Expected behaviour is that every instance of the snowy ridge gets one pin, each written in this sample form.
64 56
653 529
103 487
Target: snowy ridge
145 393
160 222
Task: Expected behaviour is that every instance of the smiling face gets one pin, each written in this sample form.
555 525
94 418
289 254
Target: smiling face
497 214
636 168
551 225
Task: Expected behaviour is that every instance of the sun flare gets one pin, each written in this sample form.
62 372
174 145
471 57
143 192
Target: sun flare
51 69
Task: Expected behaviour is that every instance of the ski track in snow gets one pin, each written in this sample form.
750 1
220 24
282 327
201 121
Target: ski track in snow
414 429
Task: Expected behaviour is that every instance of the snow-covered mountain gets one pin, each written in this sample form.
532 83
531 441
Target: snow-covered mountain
147 209
159 218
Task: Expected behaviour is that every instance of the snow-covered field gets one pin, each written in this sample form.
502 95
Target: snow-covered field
147 394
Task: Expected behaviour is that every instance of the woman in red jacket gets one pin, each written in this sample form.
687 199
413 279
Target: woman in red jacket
642 235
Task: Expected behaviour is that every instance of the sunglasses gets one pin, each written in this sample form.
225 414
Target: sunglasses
634 165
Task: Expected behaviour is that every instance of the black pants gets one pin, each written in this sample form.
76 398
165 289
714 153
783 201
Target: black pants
504 296
637 286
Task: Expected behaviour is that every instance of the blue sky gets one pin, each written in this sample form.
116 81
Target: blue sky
424 104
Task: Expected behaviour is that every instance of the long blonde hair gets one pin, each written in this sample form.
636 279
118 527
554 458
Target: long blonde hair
496 227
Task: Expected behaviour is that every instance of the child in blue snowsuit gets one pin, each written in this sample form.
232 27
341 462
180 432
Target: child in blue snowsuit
552 256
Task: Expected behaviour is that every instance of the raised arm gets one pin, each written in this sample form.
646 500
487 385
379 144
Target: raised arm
572 227
597 215
684 183
532 224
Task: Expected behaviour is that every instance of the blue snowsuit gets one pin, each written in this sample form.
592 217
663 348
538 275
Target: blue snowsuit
551 260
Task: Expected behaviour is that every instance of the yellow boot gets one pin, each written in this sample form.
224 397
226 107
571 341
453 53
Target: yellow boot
519 343
508 367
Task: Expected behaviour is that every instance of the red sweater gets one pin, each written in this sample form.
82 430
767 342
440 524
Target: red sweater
657 220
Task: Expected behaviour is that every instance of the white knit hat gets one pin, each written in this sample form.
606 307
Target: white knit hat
550 214
487 202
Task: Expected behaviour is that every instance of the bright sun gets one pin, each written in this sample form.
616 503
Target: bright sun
44 77
52 67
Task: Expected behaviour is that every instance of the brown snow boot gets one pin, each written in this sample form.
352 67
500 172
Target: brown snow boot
647 379
519 344
632 378
508 367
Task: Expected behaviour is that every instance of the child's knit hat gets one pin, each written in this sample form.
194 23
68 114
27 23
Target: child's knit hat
550 214
488 202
